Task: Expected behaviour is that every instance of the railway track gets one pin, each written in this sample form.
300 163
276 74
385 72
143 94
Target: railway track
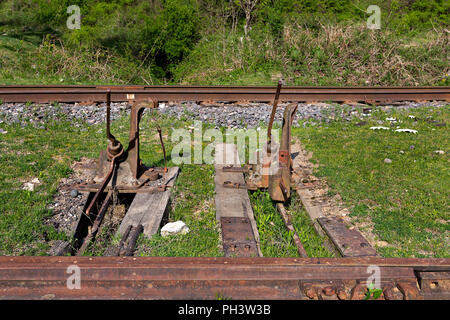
257 277
46 94
208 278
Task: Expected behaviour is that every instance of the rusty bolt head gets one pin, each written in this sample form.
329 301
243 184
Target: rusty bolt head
342 295
328 291
358 292
310 292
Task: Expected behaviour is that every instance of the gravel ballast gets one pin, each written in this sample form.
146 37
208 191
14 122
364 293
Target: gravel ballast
231 116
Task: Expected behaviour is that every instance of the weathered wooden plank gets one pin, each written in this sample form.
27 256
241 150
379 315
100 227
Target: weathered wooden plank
232 202
148 209
315 212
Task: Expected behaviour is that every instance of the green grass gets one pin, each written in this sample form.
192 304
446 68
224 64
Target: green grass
28 152
327 55
275 239
304 57
194 205
46 154
31 60
404 204
405 201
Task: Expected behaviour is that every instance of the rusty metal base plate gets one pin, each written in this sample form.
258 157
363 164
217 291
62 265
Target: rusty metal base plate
237 237
120 189
350 243
152 180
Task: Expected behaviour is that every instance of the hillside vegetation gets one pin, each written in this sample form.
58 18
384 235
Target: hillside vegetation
225 42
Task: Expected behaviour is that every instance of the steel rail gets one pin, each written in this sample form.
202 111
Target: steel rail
200 278
46 94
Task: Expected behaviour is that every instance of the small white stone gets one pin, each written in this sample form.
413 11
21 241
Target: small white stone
406 130
178 227
402 152
35 181
28 186
439 152
411 117
387 160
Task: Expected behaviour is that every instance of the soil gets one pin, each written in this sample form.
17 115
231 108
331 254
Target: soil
66 208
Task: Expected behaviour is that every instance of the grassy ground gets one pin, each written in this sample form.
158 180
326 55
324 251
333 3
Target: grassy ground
404 203
46 154
276 240
27 153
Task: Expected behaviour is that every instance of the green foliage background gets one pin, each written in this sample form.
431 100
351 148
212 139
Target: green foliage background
153 40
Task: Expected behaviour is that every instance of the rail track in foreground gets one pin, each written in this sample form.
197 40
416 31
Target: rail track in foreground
342 278
47 94
209 278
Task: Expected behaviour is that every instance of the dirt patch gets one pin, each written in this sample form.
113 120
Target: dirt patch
67 207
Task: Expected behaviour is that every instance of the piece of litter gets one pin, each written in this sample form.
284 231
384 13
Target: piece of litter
411 117
378 128
391 119
406 130
387 160
439 152
28 186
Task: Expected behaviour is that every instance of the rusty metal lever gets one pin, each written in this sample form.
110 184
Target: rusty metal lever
272 116
163 147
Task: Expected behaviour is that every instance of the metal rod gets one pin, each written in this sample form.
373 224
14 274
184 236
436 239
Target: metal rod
163 147
133 239
272 115
96 225
287 222
123 240
104 183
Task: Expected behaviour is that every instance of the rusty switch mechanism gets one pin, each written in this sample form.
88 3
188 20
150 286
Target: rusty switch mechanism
121 170
274 167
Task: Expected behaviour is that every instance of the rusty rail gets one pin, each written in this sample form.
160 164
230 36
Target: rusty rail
43 94
205 278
